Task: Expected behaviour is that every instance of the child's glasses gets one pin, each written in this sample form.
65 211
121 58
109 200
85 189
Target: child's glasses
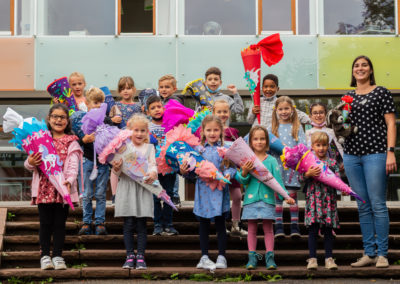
318 113
56 117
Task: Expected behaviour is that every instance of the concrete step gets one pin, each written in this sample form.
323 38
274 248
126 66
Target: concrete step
160 273
31 242
177 258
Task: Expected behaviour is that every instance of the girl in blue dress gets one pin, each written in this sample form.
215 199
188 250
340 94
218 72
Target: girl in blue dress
212 204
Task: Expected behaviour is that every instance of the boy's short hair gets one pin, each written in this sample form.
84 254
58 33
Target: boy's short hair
271 77
320 137
126 80
213 70
76 74
151 100
95 95
168 77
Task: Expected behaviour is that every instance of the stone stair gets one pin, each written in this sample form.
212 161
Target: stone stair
102 256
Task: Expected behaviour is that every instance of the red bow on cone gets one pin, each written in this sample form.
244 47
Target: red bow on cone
270 48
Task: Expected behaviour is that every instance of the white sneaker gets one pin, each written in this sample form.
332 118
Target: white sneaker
59 263
221 262
45 263
206 263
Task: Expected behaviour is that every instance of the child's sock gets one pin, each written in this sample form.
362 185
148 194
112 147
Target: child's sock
268 235
252 235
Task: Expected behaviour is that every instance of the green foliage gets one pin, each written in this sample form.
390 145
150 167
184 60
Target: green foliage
201 277
271 278
310 276
17 280
10 216
149 276
174 276
48 280
397 262
78 266
78 247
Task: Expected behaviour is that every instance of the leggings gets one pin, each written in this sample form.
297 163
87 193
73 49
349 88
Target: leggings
52 218
312 240
130 225
268 235
204 231
294 209
236 196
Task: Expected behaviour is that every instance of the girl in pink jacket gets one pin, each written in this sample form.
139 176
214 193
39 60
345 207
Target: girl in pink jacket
53 211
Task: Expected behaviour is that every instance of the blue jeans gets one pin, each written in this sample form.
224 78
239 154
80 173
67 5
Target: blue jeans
367 177
100 193
176 188
163 215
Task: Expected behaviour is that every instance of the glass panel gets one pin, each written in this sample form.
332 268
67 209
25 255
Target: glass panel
277 15
359 17
165 17
137 16
4 15
77 17
303 15
220 17
25 17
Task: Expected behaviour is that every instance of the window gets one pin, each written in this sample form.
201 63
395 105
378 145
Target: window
277 15
25 17
220 17
359 17
76 17
303 17
5 17
137 16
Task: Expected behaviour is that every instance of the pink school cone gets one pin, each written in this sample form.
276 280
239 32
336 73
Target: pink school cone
327 176
240 153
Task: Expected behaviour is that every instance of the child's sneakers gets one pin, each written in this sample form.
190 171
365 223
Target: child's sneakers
382 262
330 264
294 231
100 229
279 233
253 260
221 262
46 263
59 263
365 260
170 231
140 263
269 260
129 262
85 230
312 263
158 230
206 263
236 231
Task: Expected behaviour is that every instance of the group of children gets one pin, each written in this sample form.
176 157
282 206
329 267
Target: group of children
135 204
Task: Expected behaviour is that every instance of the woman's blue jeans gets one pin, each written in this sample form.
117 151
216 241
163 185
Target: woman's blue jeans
367 177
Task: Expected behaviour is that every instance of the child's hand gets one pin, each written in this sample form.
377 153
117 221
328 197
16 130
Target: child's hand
256 110
247 167
228 176
68 185
232 88
290 201
116 119
55 100
341 168
117 165
184 168
313 172
88 138
150 177
35 159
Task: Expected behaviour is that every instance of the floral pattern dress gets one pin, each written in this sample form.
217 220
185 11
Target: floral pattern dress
47 192
321 206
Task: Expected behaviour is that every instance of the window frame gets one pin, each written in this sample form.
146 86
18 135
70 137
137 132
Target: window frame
118 17
294 11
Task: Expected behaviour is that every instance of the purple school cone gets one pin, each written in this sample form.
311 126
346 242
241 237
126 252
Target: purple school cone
61 90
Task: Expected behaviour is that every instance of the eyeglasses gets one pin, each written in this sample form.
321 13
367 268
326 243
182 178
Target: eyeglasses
56 117
318 113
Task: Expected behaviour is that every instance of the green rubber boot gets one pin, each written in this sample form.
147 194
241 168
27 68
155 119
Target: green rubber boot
269 260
